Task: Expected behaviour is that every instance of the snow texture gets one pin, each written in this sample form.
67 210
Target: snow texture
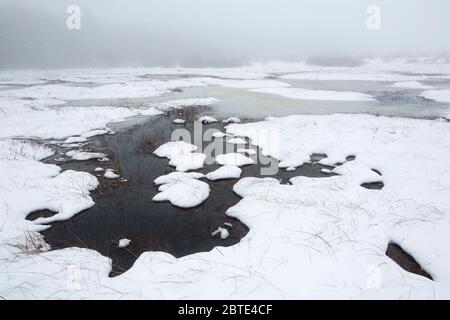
233 159
207 120
437 95
225 172
183 193
110 174
307 94
123 243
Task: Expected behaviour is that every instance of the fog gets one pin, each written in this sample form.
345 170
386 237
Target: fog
33 33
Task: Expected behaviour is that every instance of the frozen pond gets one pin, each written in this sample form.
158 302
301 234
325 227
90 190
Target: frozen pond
241 102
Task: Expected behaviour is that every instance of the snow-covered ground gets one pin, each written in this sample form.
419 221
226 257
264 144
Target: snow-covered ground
313 238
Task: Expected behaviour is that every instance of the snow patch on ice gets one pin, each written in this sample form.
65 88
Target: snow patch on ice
237 141
177 177
411 85
84 156
222 232
231 120
207 120
110 174
123 243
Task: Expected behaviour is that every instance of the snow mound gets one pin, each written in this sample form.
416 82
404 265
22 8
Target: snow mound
177 176
110 174
123 243
237 141
233 159
83 156
207 119
179 121
180 155
188 161
223 232
184 193
225 172
182 103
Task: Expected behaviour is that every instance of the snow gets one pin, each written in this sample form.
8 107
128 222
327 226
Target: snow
237 141
207 119
179 121
83 155
183 193
233 159
66 122
188 161
11 149
437 95
219 134
42 185
123 243
250 152
182 103
231 120
307 94
110 174
181 155
223 232
99 169
174 148
177 176
225 172
411 85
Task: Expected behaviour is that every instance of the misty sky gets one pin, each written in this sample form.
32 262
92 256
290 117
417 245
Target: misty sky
33 33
